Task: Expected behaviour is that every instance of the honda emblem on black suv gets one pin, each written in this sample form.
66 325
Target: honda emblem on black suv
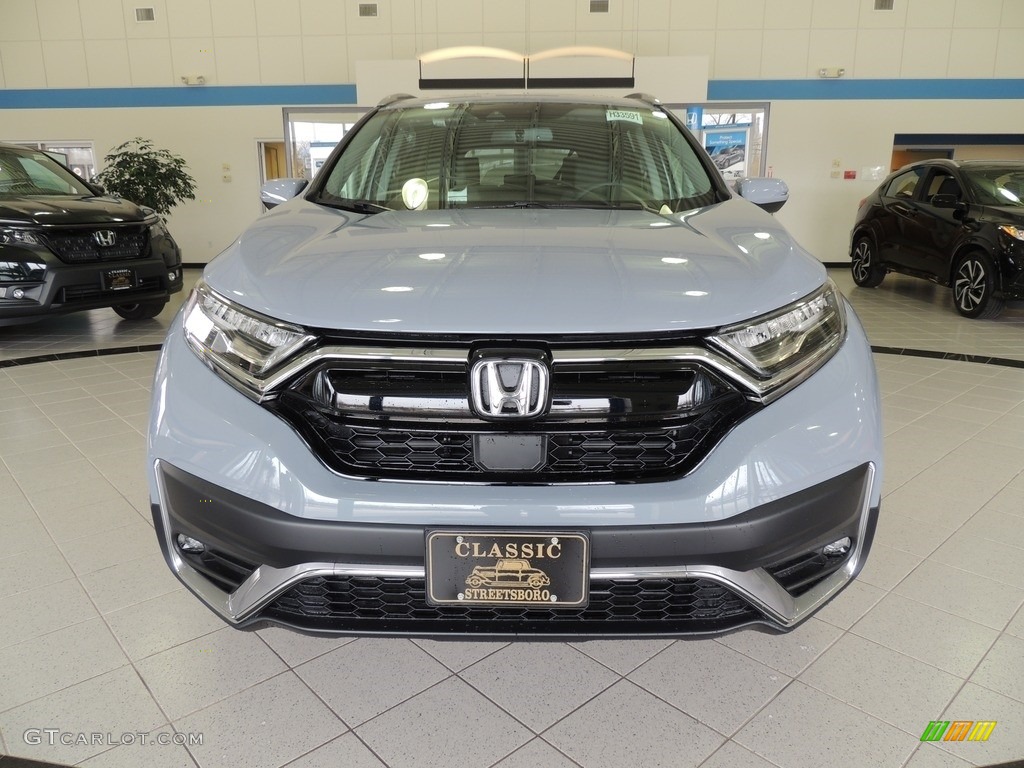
508 387
104 237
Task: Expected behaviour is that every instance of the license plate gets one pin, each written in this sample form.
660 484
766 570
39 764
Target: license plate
118 279
542 569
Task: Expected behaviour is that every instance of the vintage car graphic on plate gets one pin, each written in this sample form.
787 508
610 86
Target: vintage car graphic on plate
508 573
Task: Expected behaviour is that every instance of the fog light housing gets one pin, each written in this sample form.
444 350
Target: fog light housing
189 545
172 275
837 548
18 293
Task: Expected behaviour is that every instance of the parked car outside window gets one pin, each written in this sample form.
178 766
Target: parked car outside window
516 365
959 224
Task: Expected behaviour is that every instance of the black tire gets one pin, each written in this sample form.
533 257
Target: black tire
974 287
144 310
867 272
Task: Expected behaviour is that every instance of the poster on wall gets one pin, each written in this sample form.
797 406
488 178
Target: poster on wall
728 149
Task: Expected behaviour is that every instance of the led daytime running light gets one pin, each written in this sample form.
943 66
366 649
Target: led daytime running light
236 341
792 341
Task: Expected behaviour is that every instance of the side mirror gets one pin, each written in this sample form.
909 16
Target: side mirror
277 191
959 207
769 194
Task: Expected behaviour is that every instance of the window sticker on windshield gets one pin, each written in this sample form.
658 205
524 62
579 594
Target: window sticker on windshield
622 114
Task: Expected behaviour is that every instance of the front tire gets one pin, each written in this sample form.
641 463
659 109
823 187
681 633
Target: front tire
974 287
867 272
144 310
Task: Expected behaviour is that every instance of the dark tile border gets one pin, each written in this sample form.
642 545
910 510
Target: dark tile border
1006 362
56 356
7 761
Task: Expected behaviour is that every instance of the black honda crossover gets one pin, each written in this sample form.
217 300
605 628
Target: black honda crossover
959 224
65 245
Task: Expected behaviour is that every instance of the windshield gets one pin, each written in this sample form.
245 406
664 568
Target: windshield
998 185
34 173
510 154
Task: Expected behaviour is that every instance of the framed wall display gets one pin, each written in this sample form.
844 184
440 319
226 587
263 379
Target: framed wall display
729 149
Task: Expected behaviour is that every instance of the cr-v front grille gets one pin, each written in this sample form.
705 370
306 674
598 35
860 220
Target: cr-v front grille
608 421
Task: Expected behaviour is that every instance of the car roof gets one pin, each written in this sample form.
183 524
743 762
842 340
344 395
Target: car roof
966 165
404 101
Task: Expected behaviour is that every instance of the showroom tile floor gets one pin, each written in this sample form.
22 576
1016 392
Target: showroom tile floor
96 637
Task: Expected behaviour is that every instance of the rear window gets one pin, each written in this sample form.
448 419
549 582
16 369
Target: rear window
522 153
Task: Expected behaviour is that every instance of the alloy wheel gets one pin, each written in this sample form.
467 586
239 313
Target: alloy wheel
862 262
970 286
866 272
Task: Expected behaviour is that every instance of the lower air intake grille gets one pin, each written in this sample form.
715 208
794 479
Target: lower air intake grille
72 293
619 606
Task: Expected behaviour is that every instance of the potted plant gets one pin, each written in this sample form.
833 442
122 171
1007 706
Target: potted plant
150 177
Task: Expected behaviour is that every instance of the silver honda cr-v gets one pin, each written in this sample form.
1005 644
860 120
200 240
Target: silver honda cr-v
516 365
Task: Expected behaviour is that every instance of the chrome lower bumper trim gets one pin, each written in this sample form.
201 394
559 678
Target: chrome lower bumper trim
756 586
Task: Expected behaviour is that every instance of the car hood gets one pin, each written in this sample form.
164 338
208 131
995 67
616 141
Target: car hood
521 271
1002 213
61 209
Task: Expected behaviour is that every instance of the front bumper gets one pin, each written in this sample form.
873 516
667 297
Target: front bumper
77 287
258 560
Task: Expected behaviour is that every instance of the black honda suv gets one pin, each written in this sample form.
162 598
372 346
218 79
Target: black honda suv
65 246
959 224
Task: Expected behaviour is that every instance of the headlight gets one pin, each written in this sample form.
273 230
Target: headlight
18 237
157 227
238 342
1017 233
790 343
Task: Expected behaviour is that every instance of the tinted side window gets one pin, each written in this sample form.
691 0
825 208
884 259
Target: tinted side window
943 183
904 185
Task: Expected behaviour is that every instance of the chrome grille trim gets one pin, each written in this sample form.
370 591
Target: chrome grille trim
761 390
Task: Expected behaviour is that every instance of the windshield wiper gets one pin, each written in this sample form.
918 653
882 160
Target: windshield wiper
358 206
514 204
628 205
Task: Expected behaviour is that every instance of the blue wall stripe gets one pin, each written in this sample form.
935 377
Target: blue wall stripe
850 90
948 139
185 96
298 95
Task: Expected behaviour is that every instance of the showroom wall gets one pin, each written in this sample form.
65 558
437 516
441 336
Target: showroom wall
89 70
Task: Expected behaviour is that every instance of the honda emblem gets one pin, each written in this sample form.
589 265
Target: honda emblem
509 387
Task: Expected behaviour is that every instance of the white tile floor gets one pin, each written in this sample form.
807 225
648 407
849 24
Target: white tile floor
97 637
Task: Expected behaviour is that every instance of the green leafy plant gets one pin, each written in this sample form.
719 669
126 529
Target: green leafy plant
139 172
